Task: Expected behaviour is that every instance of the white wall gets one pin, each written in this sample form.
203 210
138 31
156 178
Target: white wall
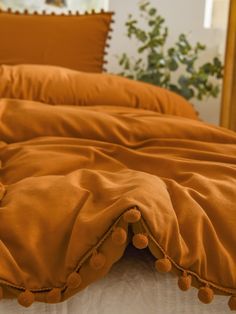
182 16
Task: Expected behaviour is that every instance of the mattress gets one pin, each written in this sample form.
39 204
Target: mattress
132 286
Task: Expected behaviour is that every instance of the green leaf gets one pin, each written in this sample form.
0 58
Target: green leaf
172 64
217 63
207 68
202 77
199 96
122 58
152 11
215 91
182 37
143 6
141 35
174 88
151 22
187 93
190 68
126 63
199 46
171 52
143 48
183 81
131 23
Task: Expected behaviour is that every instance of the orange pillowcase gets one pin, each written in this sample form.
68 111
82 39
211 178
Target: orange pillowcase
73 41
61 86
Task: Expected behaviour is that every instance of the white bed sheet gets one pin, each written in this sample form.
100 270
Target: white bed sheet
132 286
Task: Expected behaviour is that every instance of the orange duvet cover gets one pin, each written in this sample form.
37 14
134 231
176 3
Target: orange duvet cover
92 162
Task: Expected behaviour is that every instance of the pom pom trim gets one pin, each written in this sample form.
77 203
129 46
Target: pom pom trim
66 14
74 280
107 45
132 215
97 261
205 294
26 298
119 236
140 241
163 265
185 282
232 303
180 268
53 295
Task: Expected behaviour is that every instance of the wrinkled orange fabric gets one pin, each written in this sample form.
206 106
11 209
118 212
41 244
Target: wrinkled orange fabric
74 41
70 173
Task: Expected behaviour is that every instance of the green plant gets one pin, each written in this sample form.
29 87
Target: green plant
157 63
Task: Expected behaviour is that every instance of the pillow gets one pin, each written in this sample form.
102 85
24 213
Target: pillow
56 85
73 41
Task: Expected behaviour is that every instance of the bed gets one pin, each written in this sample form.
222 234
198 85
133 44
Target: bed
108 188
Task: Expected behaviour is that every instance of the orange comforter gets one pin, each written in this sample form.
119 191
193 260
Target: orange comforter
74 178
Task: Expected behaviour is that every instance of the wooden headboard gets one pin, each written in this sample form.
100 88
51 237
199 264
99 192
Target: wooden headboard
228 107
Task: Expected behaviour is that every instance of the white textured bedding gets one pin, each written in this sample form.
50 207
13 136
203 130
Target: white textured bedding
132 286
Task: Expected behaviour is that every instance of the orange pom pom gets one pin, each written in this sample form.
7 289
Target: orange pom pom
163 265
1 293
185 282
26 298
119 236
140 241
54 296
232 303
205 295
97 261
74 280
132 215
